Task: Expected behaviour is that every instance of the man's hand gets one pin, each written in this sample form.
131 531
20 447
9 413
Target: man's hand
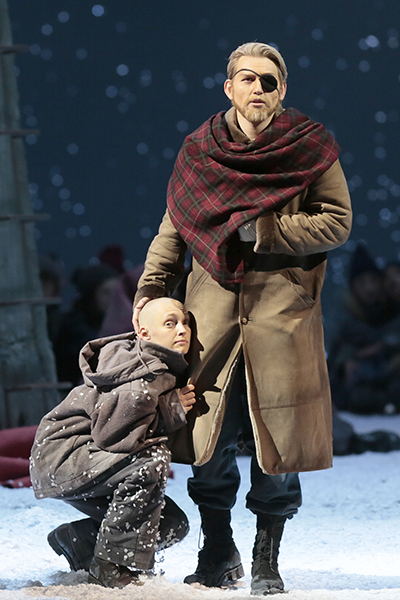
187 396
136 311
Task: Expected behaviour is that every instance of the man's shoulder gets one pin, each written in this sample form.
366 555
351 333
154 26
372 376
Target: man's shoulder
206 127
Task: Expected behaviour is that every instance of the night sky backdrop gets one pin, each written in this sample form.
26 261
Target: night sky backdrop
115 87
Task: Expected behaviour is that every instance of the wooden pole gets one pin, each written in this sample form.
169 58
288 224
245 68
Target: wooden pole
28 383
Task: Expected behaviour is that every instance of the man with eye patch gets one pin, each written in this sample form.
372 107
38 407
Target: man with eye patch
258 197
256 96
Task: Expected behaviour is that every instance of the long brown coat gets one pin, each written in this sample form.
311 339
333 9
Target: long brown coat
274 317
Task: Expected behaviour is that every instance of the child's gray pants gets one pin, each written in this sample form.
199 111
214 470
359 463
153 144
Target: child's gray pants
128 503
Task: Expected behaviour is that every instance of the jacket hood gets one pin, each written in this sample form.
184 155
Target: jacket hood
107 362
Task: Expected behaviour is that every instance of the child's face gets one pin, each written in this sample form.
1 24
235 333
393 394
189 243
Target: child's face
168 327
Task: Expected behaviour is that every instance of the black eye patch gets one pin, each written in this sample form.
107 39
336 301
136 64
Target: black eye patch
269 83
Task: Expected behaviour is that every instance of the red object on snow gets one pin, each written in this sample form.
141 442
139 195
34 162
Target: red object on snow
15 449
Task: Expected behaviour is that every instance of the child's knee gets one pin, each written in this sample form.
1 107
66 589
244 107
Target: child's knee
162 460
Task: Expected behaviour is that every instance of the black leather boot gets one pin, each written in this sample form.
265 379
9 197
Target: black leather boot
219 562
76 542
265 578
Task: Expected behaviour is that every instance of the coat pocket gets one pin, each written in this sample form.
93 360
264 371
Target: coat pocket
303 284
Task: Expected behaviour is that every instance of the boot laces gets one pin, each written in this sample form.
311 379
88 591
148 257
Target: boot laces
265 552
213 554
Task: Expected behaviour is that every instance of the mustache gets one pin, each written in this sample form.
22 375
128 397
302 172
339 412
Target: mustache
260 100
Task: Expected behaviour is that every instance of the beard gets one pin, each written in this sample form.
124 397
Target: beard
255 115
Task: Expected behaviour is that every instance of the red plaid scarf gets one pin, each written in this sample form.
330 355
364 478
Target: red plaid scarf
218 185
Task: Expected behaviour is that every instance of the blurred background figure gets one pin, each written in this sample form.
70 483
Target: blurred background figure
364 352
51 274
113 255
347 441
95 285
391 281
118 318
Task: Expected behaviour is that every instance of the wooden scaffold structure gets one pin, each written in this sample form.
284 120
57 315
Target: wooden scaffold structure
28 382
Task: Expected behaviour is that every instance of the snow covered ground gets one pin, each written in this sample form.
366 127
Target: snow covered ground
343 545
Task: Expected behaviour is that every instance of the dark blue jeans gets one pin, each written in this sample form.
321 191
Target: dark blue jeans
216 483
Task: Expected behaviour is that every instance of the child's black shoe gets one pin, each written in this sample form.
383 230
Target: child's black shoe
76 542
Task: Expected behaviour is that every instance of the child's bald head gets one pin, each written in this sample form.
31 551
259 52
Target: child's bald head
165 321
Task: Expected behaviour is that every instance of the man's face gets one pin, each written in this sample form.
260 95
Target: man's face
246 93
167 326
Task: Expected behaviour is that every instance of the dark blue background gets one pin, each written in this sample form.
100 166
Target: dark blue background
108 141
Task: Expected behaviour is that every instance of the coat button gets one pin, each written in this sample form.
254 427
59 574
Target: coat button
244 320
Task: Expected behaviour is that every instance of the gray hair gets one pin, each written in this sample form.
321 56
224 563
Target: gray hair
260 50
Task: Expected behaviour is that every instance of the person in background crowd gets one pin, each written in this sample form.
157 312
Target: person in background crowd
52 279
364 352
347 441
95 285
391 283
118 317
113 255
